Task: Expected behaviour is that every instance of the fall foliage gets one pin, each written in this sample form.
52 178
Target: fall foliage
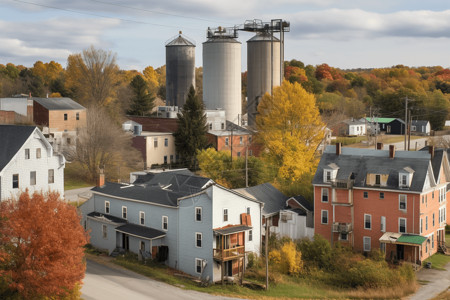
41 250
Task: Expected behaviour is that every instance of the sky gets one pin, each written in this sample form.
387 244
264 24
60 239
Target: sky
342 33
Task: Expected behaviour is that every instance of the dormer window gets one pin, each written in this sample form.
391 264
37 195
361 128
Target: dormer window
405 177
377 179
330 172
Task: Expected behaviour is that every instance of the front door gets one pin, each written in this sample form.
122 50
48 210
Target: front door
400 252
125 242
229 268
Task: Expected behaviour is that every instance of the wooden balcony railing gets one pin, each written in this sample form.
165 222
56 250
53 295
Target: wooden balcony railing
342 184
228 254
342 227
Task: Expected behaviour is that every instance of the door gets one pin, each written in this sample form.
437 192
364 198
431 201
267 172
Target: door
229 268
142 248
388 129
400 252
125 242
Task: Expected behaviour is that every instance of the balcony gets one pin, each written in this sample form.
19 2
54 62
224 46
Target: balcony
228 254
342 184
342 227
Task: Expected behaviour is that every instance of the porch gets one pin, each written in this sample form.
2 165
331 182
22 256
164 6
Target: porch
403 247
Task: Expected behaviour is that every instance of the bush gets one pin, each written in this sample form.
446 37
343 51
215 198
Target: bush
316 253
288 260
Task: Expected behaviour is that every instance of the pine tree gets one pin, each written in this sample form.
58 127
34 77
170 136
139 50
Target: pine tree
192 128
142 101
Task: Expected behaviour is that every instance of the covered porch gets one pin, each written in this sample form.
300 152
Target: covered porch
230 251
403 247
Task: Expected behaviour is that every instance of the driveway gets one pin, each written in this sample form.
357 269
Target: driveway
76 194
436 282
112 282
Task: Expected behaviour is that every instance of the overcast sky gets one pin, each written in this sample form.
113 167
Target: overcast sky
341 33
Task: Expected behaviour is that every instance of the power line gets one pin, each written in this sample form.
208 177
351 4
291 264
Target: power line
102 16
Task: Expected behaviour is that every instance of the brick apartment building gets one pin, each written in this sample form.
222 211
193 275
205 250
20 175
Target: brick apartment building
380 199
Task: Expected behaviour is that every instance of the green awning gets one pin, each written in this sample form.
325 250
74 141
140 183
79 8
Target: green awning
380 120
411 239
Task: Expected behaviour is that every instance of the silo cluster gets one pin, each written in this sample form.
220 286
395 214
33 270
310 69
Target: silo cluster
180 69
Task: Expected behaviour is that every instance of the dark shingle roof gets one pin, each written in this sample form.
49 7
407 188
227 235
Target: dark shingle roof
12 138
419 123
273 199
303 202
141 231
232 229
156 124
95 214
59 103
162 188
357 163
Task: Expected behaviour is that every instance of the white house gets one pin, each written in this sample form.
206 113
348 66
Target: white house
188 221
27 161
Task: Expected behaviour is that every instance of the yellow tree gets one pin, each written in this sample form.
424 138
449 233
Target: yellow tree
290 128
151 76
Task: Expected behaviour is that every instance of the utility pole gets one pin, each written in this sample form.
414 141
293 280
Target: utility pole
409 130
267 254
246 166
406 118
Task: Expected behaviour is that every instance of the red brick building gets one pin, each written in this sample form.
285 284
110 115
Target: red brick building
380 199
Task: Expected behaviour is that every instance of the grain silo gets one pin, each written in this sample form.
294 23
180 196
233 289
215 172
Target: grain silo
262 75
222 73
180 69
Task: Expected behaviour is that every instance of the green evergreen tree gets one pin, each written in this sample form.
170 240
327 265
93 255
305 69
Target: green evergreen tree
192 128
142 102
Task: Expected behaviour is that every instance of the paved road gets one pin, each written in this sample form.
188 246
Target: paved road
73 195
438 281
105 281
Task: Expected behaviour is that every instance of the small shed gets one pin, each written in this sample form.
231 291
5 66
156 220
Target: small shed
420 127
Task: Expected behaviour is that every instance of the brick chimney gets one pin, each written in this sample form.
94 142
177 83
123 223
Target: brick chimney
431 151
379 146
101 179
391 151
338 148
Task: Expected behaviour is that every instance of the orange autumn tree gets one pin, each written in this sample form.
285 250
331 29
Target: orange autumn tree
41 246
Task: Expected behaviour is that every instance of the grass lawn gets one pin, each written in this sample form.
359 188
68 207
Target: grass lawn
438 261
73 178
289 287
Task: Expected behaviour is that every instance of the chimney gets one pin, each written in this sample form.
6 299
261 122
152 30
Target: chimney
391 151
431 151
101 179
338 148
379 146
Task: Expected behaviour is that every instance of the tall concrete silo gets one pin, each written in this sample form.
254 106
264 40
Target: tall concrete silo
222 73
261 73
180 69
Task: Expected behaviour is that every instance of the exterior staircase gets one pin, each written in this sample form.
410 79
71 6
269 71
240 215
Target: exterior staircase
443 249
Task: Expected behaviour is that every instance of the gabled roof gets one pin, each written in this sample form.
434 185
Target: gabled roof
273 199
156 124
59 103
303 202
357 163
12 138
230 126
354 122
163 188
100 216
141 231
380 120
419 123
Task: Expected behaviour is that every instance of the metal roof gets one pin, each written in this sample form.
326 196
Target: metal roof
380 120
141 231
12 138
402 238
180 40
59 103
263 37
232 229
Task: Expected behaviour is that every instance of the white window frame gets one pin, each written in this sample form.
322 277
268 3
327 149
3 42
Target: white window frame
33 179
399 223
38 153
426 223
321 216
165 220
166 142
141 218
383 224
104 231
327 195
367 241
433 220
370 221
421 225
227 141
225 214
18 181
124 212
200 209
250 235
27 153
377 178
155 142
340 236
365 194
400 201
51 176
197 261
198 237
107 207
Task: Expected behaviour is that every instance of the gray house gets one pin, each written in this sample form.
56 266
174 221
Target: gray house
188 221
420 127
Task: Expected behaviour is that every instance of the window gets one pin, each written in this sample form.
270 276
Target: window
141 218
166 142
165 222
198 214
210 126
241 140
367 221
225 214
51 176
423 199
155 142
15 181
226 141
402 225
432 241
324 216
198 265
78 116
104 231
426 223
65 117
222 125
250 235
38 152
404 180
366 195
27 153
198 240
248 210
165 159
421 226
106 207
33 178
124 212
249 139
328 176
142 247
239 154
367 242
402 202
324 195
377 179
381 195
433 219
383 224
343 236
